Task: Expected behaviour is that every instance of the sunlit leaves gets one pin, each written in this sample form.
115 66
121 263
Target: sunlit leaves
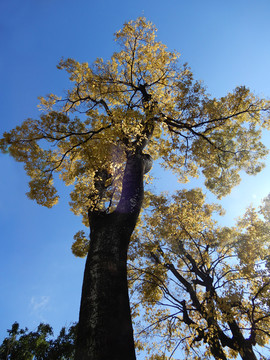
81 244
140 98
253 243
215 281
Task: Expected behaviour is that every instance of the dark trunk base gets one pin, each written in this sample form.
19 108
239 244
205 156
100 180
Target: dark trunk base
105 328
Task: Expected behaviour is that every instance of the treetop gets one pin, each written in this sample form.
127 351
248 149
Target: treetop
141 99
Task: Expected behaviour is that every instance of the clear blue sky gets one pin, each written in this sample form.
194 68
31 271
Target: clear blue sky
226 43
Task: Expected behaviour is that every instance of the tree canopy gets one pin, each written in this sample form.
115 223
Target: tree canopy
141 93
201 287
39 344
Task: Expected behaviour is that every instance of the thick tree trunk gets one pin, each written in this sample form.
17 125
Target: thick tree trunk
105 327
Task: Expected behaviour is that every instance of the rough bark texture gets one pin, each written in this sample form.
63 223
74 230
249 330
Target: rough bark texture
105 328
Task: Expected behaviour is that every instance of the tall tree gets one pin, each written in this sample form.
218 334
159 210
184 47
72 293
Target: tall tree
203 287
101 136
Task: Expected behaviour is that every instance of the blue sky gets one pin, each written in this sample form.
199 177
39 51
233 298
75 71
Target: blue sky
226 44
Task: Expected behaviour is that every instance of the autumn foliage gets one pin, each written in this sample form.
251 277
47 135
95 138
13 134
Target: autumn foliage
199 283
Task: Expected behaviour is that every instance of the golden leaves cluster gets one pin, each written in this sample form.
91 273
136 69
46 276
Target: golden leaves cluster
140 98
206 276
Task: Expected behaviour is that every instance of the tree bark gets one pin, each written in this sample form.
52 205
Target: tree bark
105 327
243 345
247 353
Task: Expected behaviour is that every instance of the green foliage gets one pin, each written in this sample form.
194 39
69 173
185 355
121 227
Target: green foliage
27 345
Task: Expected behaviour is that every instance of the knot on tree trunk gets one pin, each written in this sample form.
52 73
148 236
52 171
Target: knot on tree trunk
147 163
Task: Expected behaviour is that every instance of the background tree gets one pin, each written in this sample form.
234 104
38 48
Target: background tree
39 345
95 137
202 287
